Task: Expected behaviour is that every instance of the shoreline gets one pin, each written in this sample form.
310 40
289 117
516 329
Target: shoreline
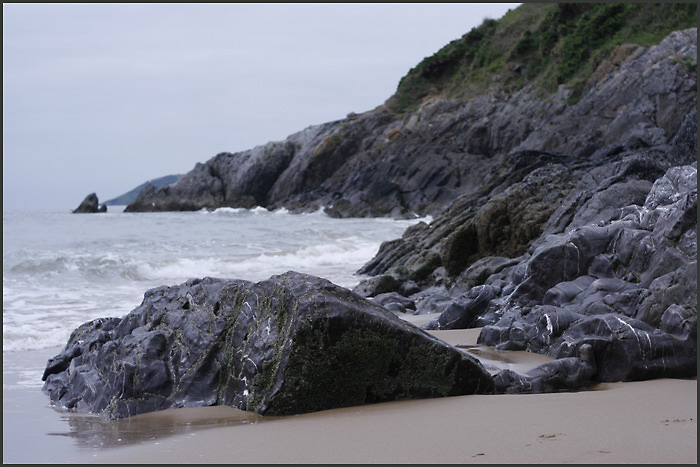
614 423
611 423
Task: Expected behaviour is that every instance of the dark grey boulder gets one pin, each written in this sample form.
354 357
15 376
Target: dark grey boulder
395 302
626 349
90 205
292 344
378 285
463 311
564 374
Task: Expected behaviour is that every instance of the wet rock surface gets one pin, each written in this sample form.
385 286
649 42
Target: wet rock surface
292 344
612 271
564 374
90 204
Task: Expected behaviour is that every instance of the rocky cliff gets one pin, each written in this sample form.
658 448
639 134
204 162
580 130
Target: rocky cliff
415 156
590 261
565 223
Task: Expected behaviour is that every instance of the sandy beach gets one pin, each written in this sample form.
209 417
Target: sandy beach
641 422
636 422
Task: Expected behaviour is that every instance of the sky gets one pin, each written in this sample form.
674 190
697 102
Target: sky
103 97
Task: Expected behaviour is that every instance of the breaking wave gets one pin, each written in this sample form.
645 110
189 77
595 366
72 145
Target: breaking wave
86 267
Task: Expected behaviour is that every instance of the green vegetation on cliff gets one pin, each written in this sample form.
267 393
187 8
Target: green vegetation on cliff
544 44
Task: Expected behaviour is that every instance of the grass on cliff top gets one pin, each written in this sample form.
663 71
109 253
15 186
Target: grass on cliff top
544 44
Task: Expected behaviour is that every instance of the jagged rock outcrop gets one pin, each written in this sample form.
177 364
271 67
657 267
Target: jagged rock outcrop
564 374
383 164
644 93
90 204
613 270
626 287
292 344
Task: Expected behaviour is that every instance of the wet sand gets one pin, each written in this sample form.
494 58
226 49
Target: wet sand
639 422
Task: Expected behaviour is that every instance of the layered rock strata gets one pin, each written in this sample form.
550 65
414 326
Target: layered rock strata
383 164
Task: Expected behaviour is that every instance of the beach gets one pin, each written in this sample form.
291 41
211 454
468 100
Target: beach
528 181
634 422
640 422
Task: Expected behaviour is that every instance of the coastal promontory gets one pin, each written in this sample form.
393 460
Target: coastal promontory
555 150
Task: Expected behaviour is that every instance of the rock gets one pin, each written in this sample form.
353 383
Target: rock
432 300
564 374
522 204
395 302
643 97
626 349
241 180
507 213
615 264
378 285
90 205
679 321
481 270
463 311
292 344
626 287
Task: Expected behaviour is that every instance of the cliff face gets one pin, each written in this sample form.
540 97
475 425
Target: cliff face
629 113
384 163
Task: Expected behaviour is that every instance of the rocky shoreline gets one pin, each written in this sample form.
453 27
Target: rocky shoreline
563 229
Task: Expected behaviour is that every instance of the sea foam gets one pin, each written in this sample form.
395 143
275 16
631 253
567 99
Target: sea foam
61 270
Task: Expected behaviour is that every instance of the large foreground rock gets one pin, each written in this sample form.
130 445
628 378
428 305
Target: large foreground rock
90 204
292 344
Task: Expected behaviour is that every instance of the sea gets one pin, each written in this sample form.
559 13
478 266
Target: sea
62 269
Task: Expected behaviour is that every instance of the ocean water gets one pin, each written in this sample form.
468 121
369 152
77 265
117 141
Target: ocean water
61 269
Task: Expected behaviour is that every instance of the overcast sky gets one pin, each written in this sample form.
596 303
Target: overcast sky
103 97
